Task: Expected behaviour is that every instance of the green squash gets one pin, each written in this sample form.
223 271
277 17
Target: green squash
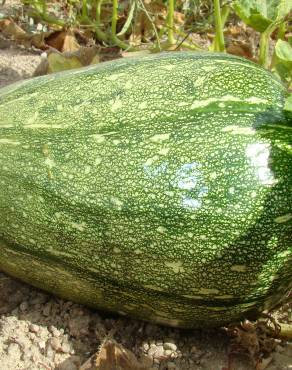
157 187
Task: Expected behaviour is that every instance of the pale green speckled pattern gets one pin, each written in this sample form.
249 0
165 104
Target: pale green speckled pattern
157 187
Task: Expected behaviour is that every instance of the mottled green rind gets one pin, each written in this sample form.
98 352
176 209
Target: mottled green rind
156 187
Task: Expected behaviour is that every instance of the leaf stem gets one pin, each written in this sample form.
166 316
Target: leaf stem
114 38
98 11
219 38
114 17
101 36
265 42
170 22
84 10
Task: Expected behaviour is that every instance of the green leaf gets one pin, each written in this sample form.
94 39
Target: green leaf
283 61
283 50
259 14
258 22
288 108
288 103
284 8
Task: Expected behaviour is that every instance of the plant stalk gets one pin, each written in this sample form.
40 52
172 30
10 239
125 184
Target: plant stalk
219 38
114 37
170 22
265 42
101 36
44 7
98 11
114 17
84 14
225 14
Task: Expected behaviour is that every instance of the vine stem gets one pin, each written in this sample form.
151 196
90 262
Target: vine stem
84 9
99 33
265 42
219 44
114 37
114 17
170 22
98 11
44 6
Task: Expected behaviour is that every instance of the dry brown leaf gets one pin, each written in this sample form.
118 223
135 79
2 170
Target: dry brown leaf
113 356
240 49
56 40
234 30
10 29
179 18
70 42
56 61
63 41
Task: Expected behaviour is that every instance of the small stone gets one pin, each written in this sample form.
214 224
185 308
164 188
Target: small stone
23 306
170 346
156 352
13 350
39 27
55 343
42 344
171 366
55 332
159 343
47 309
50 353
35 358
31 336
152 350
34 328
145 346
65 348
194 349
168 352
